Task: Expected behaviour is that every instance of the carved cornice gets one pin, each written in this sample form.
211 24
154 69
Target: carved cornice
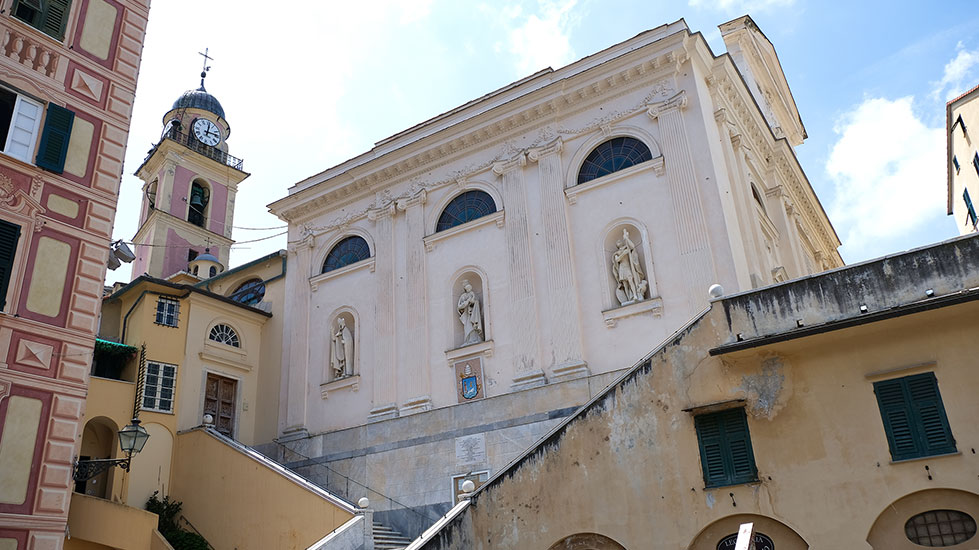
510 165
375 214
417 199
567 103
776 152
553 148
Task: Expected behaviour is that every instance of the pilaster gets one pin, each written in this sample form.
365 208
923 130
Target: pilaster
559 298
295 357
384 374
527 371
691 228
414 381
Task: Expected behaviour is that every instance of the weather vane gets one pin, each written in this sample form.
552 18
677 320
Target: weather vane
205 67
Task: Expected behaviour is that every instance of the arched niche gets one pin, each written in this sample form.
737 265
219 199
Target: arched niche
783 536
599 137
150 469
477 279
607 248
888 531
336 342
586 541
100 439
451 192
199 202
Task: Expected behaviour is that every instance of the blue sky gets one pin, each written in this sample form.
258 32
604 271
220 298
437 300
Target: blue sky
303 93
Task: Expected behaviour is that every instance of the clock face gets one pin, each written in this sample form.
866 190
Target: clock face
206 132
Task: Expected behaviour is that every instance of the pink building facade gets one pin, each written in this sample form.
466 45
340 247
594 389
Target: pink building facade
68 71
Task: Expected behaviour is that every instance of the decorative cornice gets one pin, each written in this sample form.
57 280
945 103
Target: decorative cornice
553 148
503 167
417 199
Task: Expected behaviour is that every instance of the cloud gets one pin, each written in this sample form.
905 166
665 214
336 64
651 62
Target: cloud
959 74
741 6
888 170
542 39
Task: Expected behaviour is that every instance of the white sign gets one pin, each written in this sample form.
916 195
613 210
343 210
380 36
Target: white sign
471 449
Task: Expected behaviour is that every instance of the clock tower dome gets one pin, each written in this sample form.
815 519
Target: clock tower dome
189 186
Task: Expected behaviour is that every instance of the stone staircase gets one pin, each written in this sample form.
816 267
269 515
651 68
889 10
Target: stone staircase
386 538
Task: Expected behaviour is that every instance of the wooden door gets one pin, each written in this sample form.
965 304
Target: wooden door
219 401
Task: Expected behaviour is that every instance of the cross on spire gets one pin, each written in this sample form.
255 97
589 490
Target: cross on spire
205 67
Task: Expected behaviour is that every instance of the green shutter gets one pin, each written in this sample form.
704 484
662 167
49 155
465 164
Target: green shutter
9 235
54 139
725 448
914 417
55 18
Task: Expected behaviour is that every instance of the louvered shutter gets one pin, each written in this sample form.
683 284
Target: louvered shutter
54 140
711 449
55 18
24 123
896 415
9 235
935 436
739 445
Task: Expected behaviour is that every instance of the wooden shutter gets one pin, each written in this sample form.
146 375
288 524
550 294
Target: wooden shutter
9 235
739 445
935 436
22 133
54 140
54 18
711 449
896 415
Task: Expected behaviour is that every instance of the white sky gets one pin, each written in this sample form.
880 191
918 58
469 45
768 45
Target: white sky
311 83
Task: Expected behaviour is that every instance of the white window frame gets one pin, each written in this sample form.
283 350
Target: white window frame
175 313
20 121
230 330
159 387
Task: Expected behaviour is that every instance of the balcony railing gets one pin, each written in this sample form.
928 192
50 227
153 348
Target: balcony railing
210 152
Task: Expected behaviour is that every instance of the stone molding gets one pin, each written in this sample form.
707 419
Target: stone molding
656 165
351 382
497 217
482 348
651 305
316 280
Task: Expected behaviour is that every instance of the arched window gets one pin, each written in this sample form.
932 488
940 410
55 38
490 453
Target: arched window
199 197
223 334
613 155
465 208
214 271
250 292
350 250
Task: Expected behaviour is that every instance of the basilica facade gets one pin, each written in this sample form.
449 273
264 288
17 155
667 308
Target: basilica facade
466 284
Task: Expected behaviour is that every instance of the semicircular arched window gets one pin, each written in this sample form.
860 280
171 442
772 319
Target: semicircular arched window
613 155
250 292
348 251
223 334
940 528
466 207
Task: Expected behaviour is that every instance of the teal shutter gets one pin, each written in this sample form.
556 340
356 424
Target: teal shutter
53 150
9 235
55 18
725 448
914 417
969 207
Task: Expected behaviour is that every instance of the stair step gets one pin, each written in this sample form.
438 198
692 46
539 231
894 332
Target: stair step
386 538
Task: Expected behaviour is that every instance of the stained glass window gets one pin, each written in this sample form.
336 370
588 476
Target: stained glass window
466 208
613 155
350 250
250 292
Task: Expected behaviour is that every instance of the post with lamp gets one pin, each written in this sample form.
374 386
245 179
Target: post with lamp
132 438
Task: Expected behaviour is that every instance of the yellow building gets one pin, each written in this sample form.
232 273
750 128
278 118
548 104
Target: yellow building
831 411
962 122
190 362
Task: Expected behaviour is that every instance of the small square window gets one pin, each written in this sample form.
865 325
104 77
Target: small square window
725 448
158 386
167 311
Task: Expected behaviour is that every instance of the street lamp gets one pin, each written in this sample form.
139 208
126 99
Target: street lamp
132 439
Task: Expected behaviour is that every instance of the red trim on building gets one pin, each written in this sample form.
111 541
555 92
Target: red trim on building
60 319
42 429
113 44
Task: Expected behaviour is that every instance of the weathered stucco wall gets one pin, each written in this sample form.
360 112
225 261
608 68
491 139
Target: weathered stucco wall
628 465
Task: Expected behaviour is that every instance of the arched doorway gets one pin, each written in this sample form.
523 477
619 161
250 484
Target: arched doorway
99 440
718 535
944 518
586 541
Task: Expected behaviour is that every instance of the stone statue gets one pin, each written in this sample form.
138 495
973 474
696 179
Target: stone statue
342 358
470 315
630 284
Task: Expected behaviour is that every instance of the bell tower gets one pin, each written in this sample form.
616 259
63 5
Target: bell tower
189 186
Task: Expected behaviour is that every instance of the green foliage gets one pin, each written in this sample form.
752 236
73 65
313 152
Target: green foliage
169 511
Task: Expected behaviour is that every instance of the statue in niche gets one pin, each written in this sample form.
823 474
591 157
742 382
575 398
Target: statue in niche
470 315
630 284
342 356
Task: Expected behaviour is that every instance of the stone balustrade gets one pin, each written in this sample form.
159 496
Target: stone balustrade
28 51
